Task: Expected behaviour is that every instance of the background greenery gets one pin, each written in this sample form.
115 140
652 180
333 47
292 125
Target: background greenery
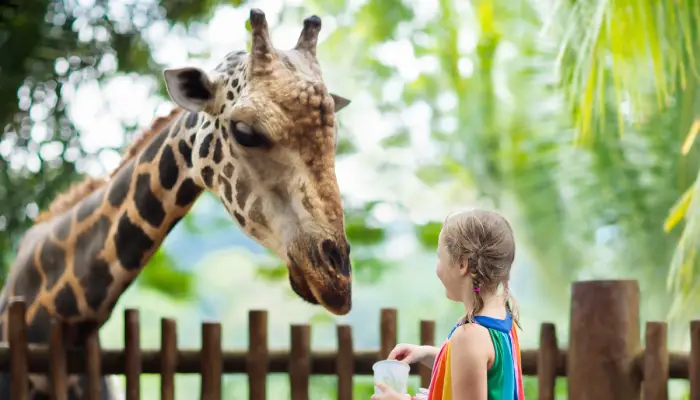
578 118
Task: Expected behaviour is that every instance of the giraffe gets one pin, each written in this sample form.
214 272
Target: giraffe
259 132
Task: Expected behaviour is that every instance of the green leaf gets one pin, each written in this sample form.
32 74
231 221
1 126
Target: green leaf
400 139
160 274
345 146
322 318
432 174
358 232
272 273
369 269
428 234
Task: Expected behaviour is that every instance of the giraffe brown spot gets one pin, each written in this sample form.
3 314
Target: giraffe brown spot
229 95
256 213
39 328
239 218
92 271
28 282
131 243
187 193
147 204
216 124
207 176
96 284
186 152
306 200
53 261
151 151
206 124
228 170
191 138
228 192
204 148
167 169
191 120
223 108
63 226
66 303
89 244
235 83
242 192
217 152
119 187
88 205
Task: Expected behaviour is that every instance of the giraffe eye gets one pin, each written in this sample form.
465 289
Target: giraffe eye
246 136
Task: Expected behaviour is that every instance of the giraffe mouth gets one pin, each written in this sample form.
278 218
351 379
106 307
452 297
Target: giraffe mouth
329 290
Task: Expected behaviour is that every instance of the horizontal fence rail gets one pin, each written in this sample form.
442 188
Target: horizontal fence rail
654 365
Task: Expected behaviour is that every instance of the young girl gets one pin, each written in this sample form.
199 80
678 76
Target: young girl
481 357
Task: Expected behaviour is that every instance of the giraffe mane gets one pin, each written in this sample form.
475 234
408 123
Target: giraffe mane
78 191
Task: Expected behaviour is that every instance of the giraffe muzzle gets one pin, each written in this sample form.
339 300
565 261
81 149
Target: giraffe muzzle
321 275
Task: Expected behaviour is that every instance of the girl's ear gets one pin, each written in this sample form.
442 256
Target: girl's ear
463 267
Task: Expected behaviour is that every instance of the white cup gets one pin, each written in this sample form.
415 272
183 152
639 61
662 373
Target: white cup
393 374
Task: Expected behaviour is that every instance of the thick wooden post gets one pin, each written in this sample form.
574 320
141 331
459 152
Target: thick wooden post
603 340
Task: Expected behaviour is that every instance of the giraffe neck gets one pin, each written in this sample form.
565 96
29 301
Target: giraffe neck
145 201
76 266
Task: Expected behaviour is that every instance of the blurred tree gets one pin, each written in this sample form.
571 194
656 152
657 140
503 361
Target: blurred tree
630 77
48 49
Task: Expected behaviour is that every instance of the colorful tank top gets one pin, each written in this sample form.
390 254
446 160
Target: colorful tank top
504 379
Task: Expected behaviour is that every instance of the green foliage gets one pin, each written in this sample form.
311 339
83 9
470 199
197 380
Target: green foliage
359 232
428 234
399 139
161 274
47 53
380 18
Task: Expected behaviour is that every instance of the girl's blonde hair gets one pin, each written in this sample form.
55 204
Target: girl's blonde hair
484 240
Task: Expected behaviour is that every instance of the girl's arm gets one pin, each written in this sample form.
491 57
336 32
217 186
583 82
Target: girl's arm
430 352
470 351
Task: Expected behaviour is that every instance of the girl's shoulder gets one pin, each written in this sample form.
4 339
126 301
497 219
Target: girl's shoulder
470 345
468 336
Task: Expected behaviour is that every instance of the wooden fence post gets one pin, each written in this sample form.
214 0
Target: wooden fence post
427 338
168 358
257 357
132 354
211 364
547 359
694 362
300 362
19 363
387 333
603 340
345 362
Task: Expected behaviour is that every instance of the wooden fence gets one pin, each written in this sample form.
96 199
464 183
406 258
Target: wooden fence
604 361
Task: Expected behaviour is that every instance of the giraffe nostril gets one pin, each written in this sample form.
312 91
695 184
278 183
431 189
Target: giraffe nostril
335 257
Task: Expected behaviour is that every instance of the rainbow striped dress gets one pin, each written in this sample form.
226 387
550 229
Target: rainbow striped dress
505 379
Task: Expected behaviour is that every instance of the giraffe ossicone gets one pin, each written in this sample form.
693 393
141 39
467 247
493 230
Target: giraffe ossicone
259 131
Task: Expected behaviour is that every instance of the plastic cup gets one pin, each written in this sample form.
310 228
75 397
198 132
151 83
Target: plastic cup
393 374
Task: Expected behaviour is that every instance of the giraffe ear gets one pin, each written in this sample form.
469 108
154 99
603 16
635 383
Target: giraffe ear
189 87
340 102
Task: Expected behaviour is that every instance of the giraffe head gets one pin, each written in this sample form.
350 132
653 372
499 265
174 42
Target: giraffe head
262 130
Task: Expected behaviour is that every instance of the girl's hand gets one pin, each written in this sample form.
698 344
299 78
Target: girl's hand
389 394
408 353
